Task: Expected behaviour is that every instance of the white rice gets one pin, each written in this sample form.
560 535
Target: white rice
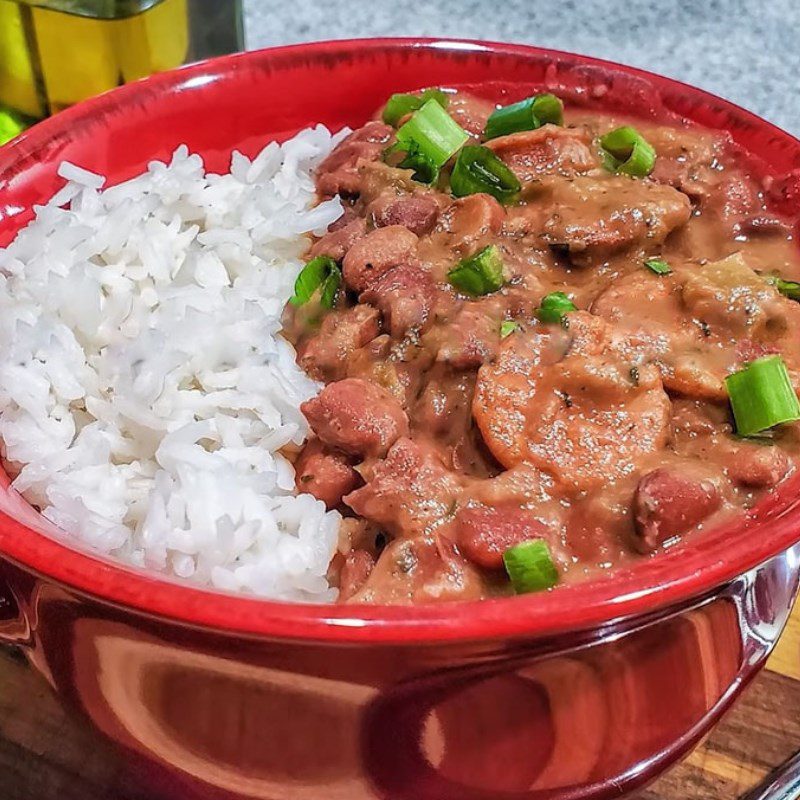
145 389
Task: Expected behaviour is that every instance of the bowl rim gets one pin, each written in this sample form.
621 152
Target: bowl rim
674 577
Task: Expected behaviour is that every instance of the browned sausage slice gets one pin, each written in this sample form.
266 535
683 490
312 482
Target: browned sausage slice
592 218
650 308
571 403
549 150
703 322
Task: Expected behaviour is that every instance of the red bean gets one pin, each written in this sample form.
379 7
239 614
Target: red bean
485 533
357 417
667 504
325 474
404 296
377 253
417 212
338 173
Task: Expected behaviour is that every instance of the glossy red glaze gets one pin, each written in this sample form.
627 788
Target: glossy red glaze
578 693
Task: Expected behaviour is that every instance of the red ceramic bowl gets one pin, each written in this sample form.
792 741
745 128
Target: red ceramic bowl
585 692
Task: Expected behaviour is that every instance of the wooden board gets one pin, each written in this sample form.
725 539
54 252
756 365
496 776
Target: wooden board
45 754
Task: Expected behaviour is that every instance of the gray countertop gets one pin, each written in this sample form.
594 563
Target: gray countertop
746 52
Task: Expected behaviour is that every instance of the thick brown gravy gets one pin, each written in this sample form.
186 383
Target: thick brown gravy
445 442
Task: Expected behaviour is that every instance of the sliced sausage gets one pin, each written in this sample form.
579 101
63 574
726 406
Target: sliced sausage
324 473
668 503
732 299
703 322
549 150
485 532
593 218
575 409
651 310
405 297
324 356
735 200
357 417
686 159
377 253
407 492
338 173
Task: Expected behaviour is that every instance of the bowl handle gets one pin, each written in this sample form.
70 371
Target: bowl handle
14 627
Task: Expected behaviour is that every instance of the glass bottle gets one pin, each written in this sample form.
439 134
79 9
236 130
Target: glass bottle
56 52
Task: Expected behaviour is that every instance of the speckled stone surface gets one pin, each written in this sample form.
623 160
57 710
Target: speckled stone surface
747 52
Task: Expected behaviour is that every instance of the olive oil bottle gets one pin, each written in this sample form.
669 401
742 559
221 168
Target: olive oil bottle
56 52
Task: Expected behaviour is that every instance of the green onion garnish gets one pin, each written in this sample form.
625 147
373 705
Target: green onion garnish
530 566
400 105
527 115
479 274
658 265
790 289
432 134
628 152
425 171
321 273
762 396
478 169
508 327
554 306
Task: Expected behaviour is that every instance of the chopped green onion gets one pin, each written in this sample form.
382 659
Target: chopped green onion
478 169
330 288
479 274
425 171
554 306
762 396
658 265
400 105
321 273
508 327
527 115
548 109
530 566
790 289
431 133
627 151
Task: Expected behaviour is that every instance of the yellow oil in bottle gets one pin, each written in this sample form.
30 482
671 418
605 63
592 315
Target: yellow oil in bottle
51 58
